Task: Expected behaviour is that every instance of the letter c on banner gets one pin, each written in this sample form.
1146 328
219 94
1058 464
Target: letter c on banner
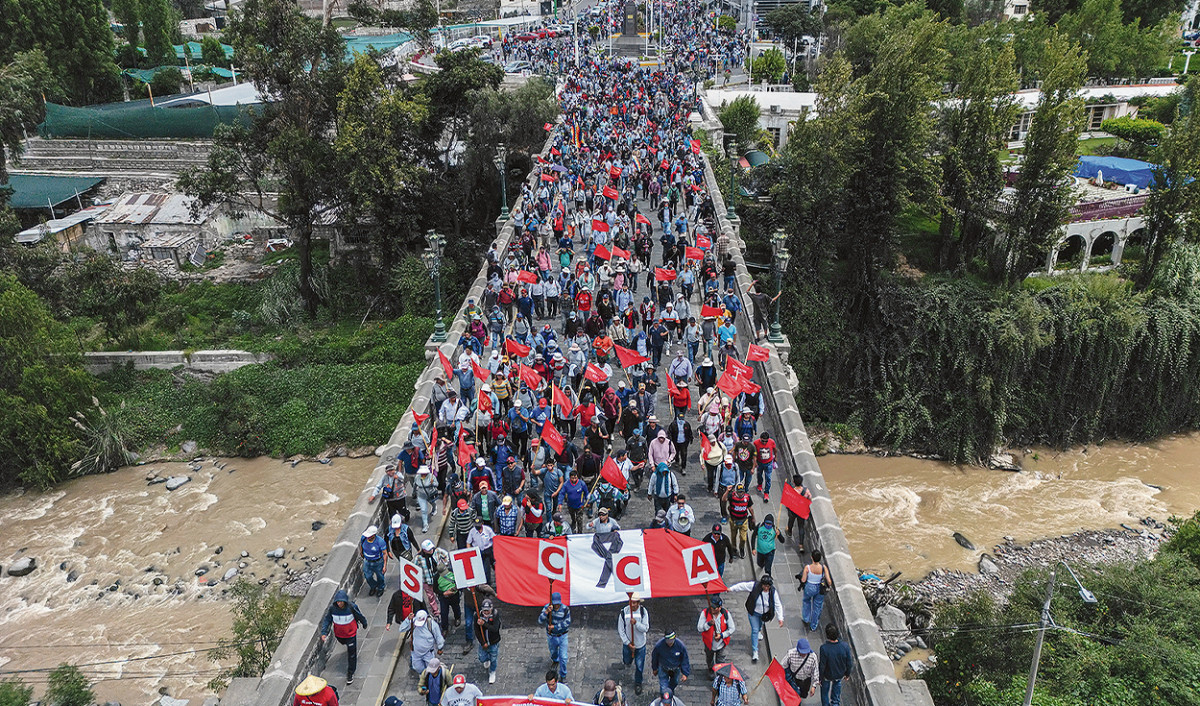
552 561
629 572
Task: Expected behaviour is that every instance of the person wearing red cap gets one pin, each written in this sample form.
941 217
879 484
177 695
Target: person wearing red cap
461 693
462 521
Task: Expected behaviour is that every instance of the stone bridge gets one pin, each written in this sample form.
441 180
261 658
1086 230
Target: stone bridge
1096 245
381 666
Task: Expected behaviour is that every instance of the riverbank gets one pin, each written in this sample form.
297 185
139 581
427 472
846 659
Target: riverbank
129 570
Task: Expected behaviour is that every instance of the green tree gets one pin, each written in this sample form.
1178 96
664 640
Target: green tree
128 13
740 119
42 383
1142 131
452 93
286 150
769 65
1039 204
211 52
68 687
166 81
973 125
13 692
1172 210
1113 48
76 39
260 617
793 21
159 25
1151 12
726 24
23 82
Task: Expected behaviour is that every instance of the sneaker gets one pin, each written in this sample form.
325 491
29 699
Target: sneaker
637 689
349 678
759 488
424 530
467 649
492 677
724 520
754 657
766 498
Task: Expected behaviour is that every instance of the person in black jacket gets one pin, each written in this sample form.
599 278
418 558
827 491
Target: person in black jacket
680 434
487 634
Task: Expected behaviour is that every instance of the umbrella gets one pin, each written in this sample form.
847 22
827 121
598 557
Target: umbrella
726 669
558 168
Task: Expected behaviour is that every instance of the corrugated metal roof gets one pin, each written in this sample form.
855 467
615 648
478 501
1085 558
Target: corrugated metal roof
58 225
168 240
164 209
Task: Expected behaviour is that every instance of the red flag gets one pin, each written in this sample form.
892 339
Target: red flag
481 372
603 253
664 164
611 193
529 376
671 388
594 374
695 146
758 353
552 438
738 369
729 384
705 446
750 388
600 225
618 252
465 452
713 311
547 177
485 401
693 253
652 150
526 276
703 242
560 398
518 349
555 151
787 695
420 418
628 357
612 474
639 218
615 172
548 127
797 503
541 160
663 275
446 365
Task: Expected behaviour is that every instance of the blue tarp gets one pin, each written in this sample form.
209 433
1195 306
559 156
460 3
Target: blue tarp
1117 169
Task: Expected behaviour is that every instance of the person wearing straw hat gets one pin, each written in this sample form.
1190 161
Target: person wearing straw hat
632 626
315 691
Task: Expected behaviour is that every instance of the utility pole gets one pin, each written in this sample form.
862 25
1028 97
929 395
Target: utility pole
1041 637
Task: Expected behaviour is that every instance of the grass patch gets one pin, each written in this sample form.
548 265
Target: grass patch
1092 144
918 237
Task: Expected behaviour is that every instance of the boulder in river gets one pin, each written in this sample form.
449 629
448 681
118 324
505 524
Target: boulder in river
892 621
1003 462
275 553
963 541
177 482
156 480
169 701
23 566
987 566
317 525
229 575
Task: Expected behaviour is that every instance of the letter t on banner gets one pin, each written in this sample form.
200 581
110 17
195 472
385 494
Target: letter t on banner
410 579
701 564
629 573
552 561
468 567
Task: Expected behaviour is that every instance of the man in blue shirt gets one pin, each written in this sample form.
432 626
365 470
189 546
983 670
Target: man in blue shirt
557 619
518 423
373 549
835 666
575 493
669 662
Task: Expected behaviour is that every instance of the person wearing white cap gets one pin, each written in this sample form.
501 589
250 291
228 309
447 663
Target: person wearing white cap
427 639
426 490
315 691
373 550
632 626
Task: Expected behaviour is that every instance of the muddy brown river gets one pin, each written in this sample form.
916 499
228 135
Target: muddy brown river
154 627
900 514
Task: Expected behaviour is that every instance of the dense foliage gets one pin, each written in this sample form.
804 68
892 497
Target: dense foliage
76 39
261 615
68 687
1136 646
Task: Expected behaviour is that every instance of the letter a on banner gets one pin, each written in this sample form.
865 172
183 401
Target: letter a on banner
468 567
629 572
552 560
701 564
410 579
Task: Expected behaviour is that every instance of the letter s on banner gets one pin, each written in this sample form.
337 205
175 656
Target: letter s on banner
468 567
410 579
629 572
552 560
701 564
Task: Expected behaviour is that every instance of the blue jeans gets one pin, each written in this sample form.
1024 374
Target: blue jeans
811 610
373 573
692 347
668 679
764 469
558 653
490 654
637 657
756 624
831 692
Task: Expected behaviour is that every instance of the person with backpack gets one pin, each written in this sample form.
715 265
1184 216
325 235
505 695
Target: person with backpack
801 669
487 634
663 486
762 605
741 516
427 640
434 681
715 627
632 627
765 537
609 695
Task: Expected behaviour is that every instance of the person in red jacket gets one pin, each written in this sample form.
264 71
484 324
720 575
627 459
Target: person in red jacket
314 691
681 399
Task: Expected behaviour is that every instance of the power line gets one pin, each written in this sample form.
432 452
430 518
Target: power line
121 661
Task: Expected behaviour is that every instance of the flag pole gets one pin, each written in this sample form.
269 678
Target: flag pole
760 680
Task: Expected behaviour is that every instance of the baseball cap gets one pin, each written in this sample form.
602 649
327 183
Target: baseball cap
460 679
371 531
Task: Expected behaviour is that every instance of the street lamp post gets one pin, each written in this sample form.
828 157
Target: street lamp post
730 213
1085 595
432 257
501 162
782 256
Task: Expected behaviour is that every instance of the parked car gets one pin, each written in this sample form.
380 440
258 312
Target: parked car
526 37
518 67
481 40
